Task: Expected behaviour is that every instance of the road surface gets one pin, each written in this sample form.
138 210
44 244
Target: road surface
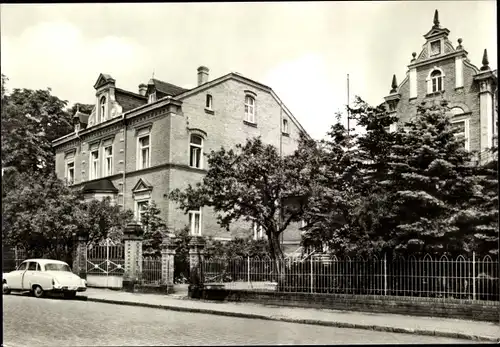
60 322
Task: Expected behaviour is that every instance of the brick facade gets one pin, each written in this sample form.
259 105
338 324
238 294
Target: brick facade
170 122
460 86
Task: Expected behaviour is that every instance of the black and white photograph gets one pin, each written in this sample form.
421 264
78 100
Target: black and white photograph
249 173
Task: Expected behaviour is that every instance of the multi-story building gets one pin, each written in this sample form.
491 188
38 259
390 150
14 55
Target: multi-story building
442 71
137 147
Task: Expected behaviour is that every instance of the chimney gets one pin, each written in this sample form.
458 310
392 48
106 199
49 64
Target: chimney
202 75
142 89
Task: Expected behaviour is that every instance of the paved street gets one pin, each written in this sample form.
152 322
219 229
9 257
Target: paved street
57 322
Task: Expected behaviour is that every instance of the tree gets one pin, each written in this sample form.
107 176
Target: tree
253 183
43 216
155 230
31 119
103 219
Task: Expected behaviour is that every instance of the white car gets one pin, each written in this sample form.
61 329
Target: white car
40 276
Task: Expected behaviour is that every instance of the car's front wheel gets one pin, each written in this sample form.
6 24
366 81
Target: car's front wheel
69 295
5 288
38 292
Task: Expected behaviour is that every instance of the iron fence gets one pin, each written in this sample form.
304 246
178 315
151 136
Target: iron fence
12 257
151 271
465 278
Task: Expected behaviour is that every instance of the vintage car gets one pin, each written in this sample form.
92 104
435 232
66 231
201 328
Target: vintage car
41 276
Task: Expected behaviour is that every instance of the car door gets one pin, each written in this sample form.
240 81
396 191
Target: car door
29 275
15 279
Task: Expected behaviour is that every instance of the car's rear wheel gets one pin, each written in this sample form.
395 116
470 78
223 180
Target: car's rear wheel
69 295
38 291
5 288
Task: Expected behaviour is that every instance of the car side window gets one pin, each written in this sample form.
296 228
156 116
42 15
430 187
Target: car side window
31 266
38 267
22 267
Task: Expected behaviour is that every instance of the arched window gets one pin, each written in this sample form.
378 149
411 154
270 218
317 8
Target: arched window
249 109
195 151
437 81
102 108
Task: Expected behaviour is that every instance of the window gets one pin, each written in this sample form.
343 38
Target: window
195 151
461 132
102 108
249 109
195 222
144 153
22 267
258 231
437 81
208 102
152 97
285 126
108 160
435 48
31 266
94 164
70 172
140 208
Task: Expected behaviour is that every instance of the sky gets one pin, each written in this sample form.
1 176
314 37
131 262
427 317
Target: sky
302 50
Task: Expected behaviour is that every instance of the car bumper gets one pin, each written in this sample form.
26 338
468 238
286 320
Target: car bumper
62 289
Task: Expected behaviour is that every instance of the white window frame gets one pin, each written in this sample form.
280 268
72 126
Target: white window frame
192 222
70 179
102 108
108 159
200 151
137 212
209 101
285 126
94 172
430 80
465 133
250 104
152 97
140 149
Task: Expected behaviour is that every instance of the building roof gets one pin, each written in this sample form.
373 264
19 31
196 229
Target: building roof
167 88
100 186
82 117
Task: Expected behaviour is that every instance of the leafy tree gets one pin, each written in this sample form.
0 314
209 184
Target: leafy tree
42 216
103 219
253 183
31 119
155 230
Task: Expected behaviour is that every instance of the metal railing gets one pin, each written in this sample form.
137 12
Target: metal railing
151 271
106 259
461 278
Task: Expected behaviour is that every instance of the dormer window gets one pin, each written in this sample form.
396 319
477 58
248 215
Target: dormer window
437 81
152 97
435 48
102 109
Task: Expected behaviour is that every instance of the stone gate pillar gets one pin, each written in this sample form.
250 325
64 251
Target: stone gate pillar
196 246
132 237
167 263
80 256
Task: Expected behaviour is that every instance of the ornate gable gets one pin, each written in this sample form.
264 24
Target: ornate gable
102 80
142 186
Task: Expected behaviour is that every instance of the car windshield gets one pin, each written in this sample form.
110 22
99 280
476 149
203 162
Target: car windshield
57 267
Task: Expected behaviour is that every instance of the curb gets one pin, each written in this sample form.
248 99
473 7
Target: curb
334 324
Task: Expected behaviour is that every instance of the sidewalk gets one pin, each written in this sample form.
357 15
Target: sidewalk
444 327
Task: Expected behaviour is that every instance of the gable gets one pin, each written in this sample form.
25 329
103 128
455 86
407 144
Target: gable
102 80
141 186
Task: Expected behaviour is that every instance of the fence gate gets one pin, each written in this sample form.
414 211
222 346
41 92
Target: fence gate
105 264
